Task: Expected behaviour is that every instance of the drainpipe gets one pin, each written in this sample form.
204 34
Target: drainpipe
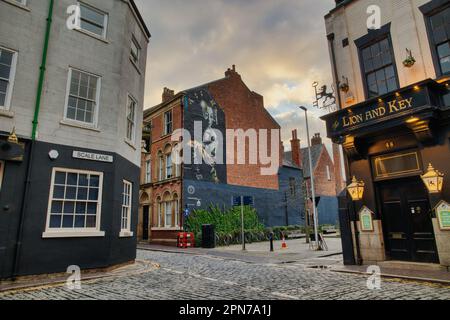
330 38
26 192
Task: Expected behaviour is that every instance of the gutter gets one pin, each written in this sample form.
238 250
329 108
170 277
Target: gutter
26 193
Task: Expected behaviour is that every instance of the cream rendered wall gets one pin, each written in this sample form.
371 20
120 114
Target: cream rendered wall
23 31
408 30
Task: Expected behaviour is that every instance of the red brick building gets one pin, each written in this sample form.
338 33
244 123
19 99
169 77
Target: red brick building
328 180
168 190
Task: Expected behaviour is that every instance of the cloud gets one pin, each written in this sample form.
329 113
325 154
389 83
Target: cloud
279 48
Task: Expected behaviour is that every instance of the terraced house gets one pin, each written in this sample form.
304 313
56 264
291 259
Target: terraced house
394 125
71 101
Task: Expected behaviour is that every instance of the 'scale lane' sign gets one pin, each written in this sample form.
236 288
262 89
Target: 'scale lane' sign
93 156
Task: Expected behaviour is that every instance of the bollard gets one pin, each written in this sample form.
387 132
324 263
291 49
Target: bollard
271 241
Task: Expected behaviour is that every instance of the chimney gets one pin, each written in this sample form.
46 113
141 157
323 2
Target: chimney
167 95
316 140
296 152
232 72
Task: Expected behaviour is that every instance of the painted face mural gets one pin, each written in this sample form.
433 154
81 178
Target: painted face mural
202 111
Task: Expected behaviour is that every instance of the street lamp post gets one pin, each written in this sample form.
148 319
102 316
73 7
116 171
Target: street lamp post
313 192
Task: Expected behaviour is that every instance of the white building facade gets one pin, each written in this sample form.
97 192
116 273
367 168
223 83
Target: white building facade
72 77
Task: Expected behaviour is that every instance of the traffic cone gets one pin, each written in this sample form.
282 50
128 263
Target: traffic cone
284 244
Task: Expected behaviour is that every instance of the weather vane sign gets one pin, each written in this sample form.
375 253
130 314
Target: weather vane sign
324 100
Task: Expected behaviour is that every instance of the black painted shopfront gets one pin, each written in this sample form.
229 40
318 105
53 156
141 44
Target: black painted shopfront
389 142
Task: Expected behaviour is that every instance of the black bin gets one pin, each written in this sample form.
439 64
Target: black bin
208 236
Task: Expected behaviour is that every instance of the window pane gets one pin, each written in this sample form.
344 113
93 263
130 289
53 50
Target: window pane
91 28
445 65
68 221
57 207
444 50
6 57
93 194
55 221
80 221
92 15
82 193
72 179
91 208
60 178
3 86
4 71
58 192
91 221
2 99
69 207
94 181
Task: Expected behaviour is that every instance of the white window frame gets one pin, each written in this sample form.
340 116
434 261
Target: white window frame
136 44
176 212
148 171
131 139
167 167
160 212
126 232
161 169
11 80
166 132
94 124
74 232
105 21
2 170
168 224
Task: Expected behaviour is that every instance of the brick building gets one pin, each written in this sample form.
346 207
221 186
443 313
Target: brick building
169 190
327 178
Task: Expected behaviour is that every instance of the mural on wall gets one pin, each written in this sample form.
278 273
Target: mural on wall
205 121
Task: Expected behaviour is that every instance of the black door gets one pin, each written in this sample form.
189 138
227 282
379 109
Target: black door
145 222
407 223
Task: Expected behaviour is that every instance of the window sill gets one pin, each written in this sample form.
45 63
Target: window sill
6 113
79 125
18 5
73 234
167 229
92 35
126 234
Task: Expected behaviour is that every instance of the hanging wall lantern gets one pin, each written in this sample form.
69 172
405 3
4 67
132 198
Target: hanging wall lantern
433 180
356 189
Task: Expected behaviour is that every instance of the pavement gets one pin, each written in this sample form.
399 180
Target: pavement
296 273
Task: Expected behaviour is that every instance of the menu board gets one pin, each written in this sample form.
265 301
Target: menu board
366 219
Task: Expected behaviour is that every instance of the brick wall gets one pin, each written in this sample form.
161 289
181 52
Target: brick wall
245 110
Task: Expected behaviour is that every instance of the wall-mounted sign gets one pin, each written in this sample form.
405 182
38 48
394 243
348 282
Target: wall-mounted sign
366 219
443 215
93 156
376 110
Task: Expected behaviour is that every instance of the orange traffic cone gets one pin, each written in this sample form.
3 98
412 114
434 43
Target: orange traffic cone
284 244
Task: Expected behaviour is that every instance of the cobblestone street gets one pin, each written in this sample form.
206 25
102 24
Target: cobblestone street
191 276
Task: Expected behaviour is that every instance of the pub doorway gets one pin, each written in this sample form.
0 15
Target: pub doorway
406 218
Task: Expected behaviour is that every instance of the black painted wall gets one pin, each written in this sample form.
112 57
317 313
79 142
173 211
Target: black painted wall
42 256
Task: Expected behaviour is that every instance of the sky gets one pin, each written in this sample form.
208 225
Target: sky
278 46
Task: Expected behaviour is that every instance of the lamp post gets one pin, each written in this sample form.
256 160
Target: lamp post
356 191
311 173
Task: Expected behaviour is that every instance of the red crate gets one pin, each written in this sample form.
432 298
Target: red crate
185 240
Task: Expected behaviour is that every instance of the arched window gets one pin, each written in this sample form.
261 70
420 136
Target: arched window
177 158
176 210
160 166
168 210
160 211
